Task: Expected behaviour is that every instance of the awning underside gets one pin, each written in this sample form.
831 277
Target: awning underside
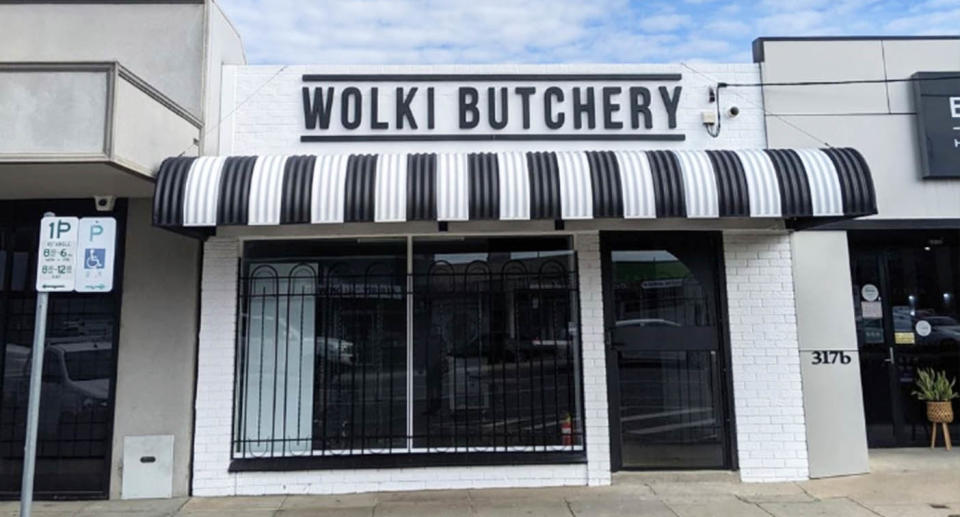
317 189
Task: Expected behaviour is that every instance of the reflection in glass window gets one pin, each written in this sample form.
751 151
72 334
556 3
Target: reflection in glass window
278 359
653 288
322 366
495 350
360 400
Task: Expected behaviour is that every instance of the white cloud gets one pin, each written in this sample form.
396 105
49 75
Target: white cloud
935 22
728 28
664 22
798 23
550 31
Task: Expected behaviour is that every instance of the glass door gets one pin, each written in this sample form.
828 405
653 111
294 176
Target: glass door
664 359
907 318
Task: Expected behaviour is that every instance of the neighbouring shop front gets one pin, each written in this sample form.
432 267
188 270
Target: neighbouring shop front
898 267
905 287
441 279
80 363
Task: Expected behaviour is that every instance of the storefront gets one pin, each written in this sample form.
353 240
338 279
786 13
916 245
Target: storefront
79 377
496 276
86 117
916 272
894 99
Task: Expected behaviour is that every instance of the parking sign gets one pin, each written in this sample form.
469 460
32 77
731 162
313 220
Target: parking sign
56 258
97 247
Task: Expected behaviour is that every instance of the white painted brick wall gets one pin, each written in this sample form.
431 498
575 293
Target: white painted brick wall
594 359
768 398
766 377
215 402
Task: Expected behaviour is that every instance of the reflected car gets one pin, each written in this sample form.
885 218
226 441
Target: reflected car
82 372
75 381
944 330
647 322
335 350
16 357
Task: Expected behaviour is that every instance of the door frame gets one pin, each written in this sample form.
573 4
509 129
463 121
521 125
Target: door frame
609 241
880 256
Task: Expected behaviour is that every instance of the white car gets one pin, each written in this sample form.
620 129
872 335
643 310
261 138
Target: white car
76 377
82 371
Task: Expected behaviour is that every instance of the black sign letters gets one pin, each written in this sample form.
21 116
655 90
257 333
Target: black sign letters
516 107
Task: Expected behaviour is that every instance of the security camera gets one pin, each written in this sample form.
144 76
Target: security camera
733 111
104 203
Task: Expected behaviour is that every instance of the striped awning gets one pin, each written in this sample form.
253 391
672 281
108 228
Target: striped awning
310 189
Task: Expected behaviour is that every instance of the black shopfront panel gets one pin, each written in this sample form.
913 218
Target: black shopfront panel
79 373
666 366
901 279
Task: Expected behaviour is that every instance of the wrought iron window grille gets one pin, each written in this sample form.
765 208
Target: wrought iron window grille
326 369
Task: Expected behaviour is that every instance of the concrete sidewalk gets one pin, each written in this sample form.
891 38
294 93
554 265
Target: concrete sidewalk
903 483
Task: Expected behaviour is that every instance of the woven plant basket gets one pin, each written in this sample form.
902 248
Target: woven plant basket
940 412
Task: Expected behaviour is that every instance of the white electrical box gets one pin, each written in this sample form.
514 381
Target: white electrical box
147 467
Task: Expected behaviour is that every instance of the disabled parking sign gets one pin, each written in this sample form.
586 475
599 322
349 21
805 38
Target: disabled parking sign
96 238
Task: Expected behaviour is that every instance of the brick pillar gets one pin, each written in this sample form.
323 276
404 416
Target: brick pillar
768 398
594 359
214 403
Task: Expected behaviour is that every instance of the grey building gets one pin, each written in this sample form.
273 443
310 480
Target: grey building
881 289
92 96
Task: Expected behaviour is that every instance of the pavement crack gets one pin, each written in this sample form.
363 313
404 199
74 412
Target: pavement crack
470 502
184 503
652 490
742 499
811 496
861 505
569 507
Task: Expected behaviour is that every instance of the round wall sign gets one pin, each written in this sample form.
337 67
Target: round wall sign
923 328
869 292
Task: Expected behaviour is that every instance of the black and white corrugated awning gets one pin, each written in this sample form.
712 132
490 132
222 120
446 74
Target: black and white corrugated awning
271 190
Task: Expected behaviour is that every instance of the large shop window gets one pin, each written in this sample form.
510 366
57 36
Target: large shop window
396 352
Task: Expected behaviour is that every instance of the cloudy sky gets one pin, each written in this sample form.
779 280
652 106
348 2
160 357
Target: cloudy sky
558 31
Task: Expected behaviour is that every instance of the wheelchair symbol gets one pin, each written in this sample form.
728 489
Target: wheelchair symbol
95 258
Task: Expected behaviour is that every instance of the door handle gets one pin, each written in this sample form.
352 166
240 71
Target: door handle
889 358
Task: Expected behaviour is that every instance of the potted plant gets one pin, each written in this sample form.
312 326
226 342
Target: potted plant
934 388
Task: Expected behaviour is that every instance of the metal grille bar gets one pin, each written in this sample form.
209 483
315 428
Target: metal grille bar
322 361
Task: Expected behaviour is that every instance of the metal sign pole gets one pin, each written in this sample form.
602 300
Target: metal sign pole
33 405
33 402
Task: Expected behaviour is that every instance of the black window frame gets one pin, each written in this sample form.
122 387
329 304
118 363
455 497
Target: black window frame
265 250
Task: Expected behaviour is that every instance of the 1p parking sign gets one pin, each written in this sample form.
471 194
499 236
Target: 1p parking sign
56 258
